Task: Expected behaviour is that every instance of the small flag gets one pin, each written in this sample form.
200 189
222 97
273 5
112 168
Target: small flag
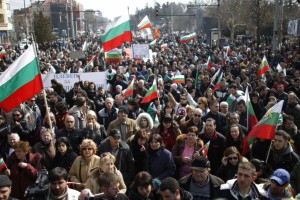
179 79
151 94
218 84
204 149
209 63
252 120
164 46
230 100
187 38
156 121
153 42
2 164
264 66
160 82
145 23
129 89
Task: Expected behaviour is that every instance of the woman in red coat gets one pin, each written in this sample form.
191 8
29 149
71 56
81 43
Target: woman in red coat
22 168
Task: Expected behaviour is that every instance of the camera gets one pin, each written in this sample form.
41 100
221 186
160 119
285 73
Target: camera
41 187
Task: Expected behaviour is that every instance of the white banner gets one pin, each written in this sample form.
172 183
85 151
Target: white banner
293 27
140 50
68 80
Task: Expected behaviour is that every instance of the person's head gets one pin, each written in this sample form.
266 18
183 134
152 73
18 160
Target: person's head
109 184
114 137
197 115
214 106
246 174
224 107
281 140
234 118
69 122
80 101
53 96
279 181
236 132
46 135
233 155
202 103
107 162
210 126
144 121
91 118
22 148
5 187
109 102
232 88
119 99
63 145
192 134
52 119
168 109
200 169
292 98
123 113
190 111
241 106
141 137
167 121
53 82
143 184
82 93
119 89
76 87
88 148
155 141
17 114
183 99
31 102
288 122
12 139
58 177
169 189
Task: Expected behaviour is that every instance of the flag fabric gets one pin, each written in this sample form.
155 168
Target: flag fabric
179 79
90 61
230 100
264 66
2 54
156 121
279 68
2 164
153 42
156 33
251 117
215 76
151 94
164 46
129 89
151 110
113 56
204 149
228 50
160 82
265 128
187 38
21 81
84 46
197 78
109 88
119 32
209 63
218 84
145 23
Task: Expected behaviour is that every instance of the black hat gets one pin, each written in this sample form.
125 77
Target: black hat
114 133
4 181
200 162
124 109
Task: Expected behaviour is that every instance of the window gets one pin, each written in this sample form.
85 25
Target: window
1 18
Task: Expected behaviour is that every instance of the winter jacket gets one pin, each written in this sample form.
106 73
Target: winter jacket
295 174
64 161
47 151
105 118
147 117
97 135
131 127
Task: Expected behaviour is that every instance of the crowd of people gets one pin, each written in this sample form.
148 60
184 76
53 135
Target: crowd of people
102 143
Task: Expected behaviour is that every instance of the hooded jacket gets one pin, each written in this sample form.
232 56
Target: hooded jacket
147 117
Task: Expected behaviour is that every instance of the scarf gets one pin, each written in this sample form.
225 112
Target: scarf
214 137
61 197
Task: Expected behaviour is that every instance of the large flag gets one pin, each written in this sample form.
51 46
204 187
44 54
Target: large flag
264 66
21 81
187 38
2 164
145 23
117 34
265 128
218 84
129 90
252 120
204 149
151 94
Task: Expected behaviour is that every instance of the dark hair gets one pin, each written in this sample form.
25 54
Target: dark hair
193 129
287 117
83 93
211 120
142 179
54 81
57 173
80 101
106 178
156 137
232 150
284 134
230 141
65 141
53 93
169 183
141 133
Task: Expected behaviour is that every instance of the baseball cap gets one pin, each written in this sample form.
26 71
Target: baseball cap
281 176
200 163
114 133
5 181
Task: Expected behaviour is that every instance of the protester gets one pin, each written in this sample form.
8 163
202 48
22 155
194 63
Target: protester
5 187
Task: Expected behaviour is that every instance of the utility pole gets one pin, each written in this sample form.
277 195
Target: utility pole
275 28
25 13
72 19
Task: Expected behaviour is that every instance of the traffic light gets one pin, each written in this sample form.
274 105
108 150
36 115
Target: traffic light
156 12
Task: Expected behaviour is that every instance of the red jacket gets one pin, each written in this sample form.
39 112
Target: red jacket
23 177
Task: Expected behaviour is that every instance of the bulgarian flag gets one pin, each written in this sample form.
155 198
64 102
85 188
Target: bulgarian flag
2 164
264 66
153 42
228 50
145 23
117 34
215 76
84 46
252 120
160 82
209 63
129 89
204 149
265 128
179 79
164 46
113 56
187 38
156 121
21 81
218 84
230 100
109 88
2 54
151 94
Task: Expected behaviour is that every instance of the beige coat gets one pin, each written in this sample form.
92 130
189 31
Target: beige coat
131 127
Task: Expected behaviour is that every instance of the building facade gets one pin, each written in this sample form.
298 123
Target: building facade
5 22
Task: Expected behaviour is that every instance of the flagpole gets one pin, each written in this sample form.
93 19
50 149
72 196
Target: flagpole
269 151
44 93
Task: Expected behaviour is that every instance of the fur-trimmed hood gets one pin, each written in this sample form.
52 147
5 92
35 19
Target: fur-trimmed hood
148 117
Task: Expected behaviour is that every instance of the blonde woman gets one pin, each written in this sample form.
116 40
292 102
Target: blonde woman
84 164
93 129
107 161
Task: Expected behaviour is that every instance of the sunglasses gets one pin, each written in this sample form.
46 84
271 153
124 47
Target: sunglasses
197 115
232 158
87 149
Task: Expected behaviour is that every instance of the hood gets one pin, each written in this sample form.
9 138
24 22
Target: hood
148 117
287 150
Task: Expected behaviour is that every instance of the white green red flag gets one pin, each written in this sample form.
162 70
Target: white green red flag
129 90
209 63
228 50
113 56
230 100
179 79
21 81
215 76
218 84
251 117
156 121
2 164
2 54
265 128
145 23
153 42
84 46
164 46
119 32
160 82
264 66
187 38
151 94
204 149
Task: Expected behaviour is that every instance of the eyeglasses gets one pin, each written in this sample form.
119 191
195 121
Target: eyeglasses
232 158
87 149
275 182
197 115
